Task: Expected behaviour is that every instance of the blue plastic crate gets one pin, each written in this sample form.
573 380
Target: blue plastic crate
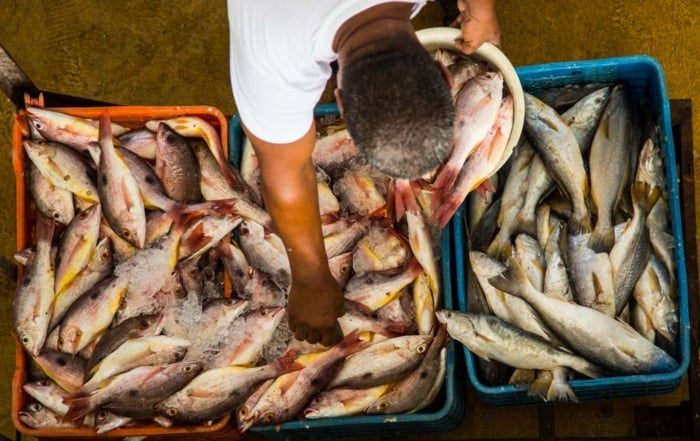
445 414
645 76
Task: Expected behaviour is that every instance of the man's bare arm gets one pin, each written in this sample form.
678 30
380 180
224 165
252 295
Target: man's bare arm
290 193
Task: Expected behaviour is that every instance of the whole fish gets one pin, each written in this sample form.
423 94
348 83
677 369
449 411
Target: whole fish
382 363
356 318
484 161
489 337
76 246
343 402
216 392
424 304
135 327
583 119
74 131
52 201
140 387
561 154
652 293
176 165
409 393
422 245
556 279
602 339
140 351
32 305
194 126
120 197
651 170
278 405
609 165
630 254
511 200
63 167
99 267
476 109
507 307
90 315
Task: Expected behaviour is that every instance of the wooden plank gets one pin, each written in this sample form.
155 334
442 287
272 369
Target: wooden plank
681 120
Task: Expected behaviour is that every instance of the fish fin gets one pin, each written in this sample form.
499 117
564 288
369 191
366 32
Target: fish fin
602 240
560 392
511 280
601 301
525 223
78 408
287 363
540 387
580 224
521 377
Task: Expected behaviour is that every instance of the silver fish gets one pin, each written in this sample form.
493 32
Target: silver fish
600 338
266 252
582 118
343 402
560 152
630 254
609 164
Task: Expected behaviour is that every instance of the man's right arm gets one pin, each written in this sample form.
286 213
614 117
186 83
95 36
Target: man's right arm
291 197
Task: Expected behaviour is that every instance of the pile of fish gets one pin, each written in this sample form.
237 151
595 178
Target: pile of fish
571 268
154 289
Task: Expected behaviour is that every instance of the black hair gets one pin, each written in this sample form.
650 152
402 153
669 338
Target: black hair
398 109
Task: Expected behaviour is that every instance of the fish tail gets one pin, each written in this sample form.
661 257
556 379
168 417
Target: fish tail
287 363
560 391
644 196
540 387
512 280
525 222
445 211
78 408
602 239
579 223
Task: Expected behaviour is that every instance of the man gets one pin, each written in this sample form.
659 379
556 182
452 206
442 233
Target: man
395 101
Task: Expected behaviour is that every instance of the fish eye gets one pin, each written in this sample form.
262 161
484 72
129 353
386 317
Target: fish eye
26 339
344 268
187 368
262 313
144 324
36 407
60 342
56 215
172 411
101 415
384 405
243 411
268 417
83 214
126 234
422 348
38 125
105 255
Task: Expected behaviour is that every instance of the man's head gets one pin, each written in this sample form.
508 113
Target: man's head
398 109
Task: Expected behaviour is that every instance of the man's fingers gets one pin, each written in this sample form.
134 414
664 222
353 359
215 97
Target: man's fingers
313 336
333 336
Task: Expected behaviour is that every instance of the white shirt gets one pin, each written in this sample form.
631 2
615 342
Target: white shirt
280 55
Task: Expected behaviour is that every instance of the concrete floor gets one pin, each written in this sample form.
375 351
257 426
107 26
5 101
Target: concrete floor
175 52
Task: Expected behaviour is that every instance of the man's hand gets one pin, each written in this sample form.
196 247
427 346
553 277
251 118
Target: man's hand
313 308
479 23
